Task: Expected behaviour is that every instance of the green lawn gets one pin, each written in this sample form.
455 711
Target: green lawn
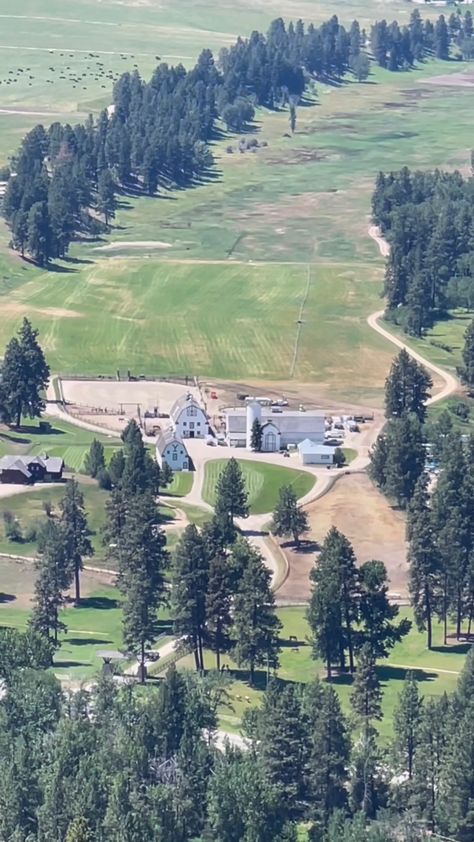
296 664
262 481
64 439
181 484
28 509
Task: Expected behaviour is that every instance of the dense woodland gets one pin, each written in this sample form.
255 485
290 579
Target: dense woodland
157 134
428 220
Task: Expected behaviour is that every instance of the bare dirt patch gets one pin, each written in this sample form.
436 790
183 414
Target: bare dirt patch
17 580
375 530
465 79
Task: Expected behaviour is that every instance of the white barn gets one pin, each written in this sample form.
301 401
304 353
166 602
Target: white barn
188 418
172 451
280 427
315 454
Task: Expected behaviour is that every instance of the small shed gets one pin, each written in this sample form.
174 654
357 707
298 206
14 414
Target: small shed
170 449
312 453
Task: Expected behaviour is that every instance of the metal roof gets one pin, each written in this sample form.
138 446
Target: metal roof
287 422
181 403
308 446
52 464
165 438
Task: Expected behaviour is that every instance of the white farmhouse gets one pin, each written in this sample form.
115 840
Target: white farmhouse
280 427
171 451
316 454
188 418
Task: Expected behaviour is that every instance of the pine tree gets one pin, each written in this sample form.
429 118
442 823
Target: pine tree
366 695
376 612
116 467
257 436
329 759
288 517
95 458
51 583
79 831
423 559
256 625
25 376
368 790
430 757
407 388
190 584
141 472
142 560
283 743
333 607
73 524
407 724
106 202
468 357
218 606
398 458
39 235
231 498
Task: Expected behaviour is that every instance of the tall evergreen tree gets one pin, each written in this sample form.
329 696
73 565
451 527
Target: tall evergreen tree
73 524
468 357
407 724
333 609
143 559
25 375
424 568
407 388
51 583
218 606
329 759
231 498
366 695
397 459
257 436
256 625
376 613
106 202
95 458
190 585
288 517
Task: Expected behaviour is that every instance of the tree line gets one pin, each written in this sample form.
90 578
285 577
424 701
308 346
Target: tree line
440 515
67 178
110 763
427 219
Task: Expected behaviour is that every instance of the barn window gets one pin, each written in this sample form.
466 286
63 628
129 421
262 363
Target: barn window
192 410
174 456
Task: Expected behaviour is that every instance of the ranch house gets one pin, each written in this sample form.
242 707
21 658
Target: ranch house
171 451
25 470
189 419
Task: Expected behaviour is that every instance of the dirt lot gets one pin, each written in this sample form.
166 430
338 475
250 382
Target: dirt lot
375 530
17 579
465 79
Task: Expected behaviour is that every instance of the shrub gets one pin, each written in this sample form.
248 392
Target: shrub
48 508
31 533
103 478
461 409
339 457
13 531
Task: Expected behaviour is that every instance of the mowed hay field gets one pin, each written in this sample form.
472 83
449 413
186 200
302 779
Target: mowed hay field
219 320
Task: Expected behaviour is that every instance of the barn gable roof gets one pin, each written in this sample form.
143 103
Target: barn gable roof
183 402
167 437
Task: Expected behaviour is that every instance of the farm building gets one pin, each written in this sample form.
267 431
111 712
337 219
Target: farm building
280 427
24 470
188 418
312 453
171 450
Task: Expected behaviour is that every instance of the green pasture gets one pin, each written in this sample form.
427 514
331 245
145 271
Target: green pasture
66 440
226 321
262 482
297 665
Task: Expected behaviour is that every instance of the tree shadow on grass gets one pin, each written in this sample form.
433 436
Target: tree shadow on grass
98 602
91 641
456 648
305 547
387 673
6 597
60 664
